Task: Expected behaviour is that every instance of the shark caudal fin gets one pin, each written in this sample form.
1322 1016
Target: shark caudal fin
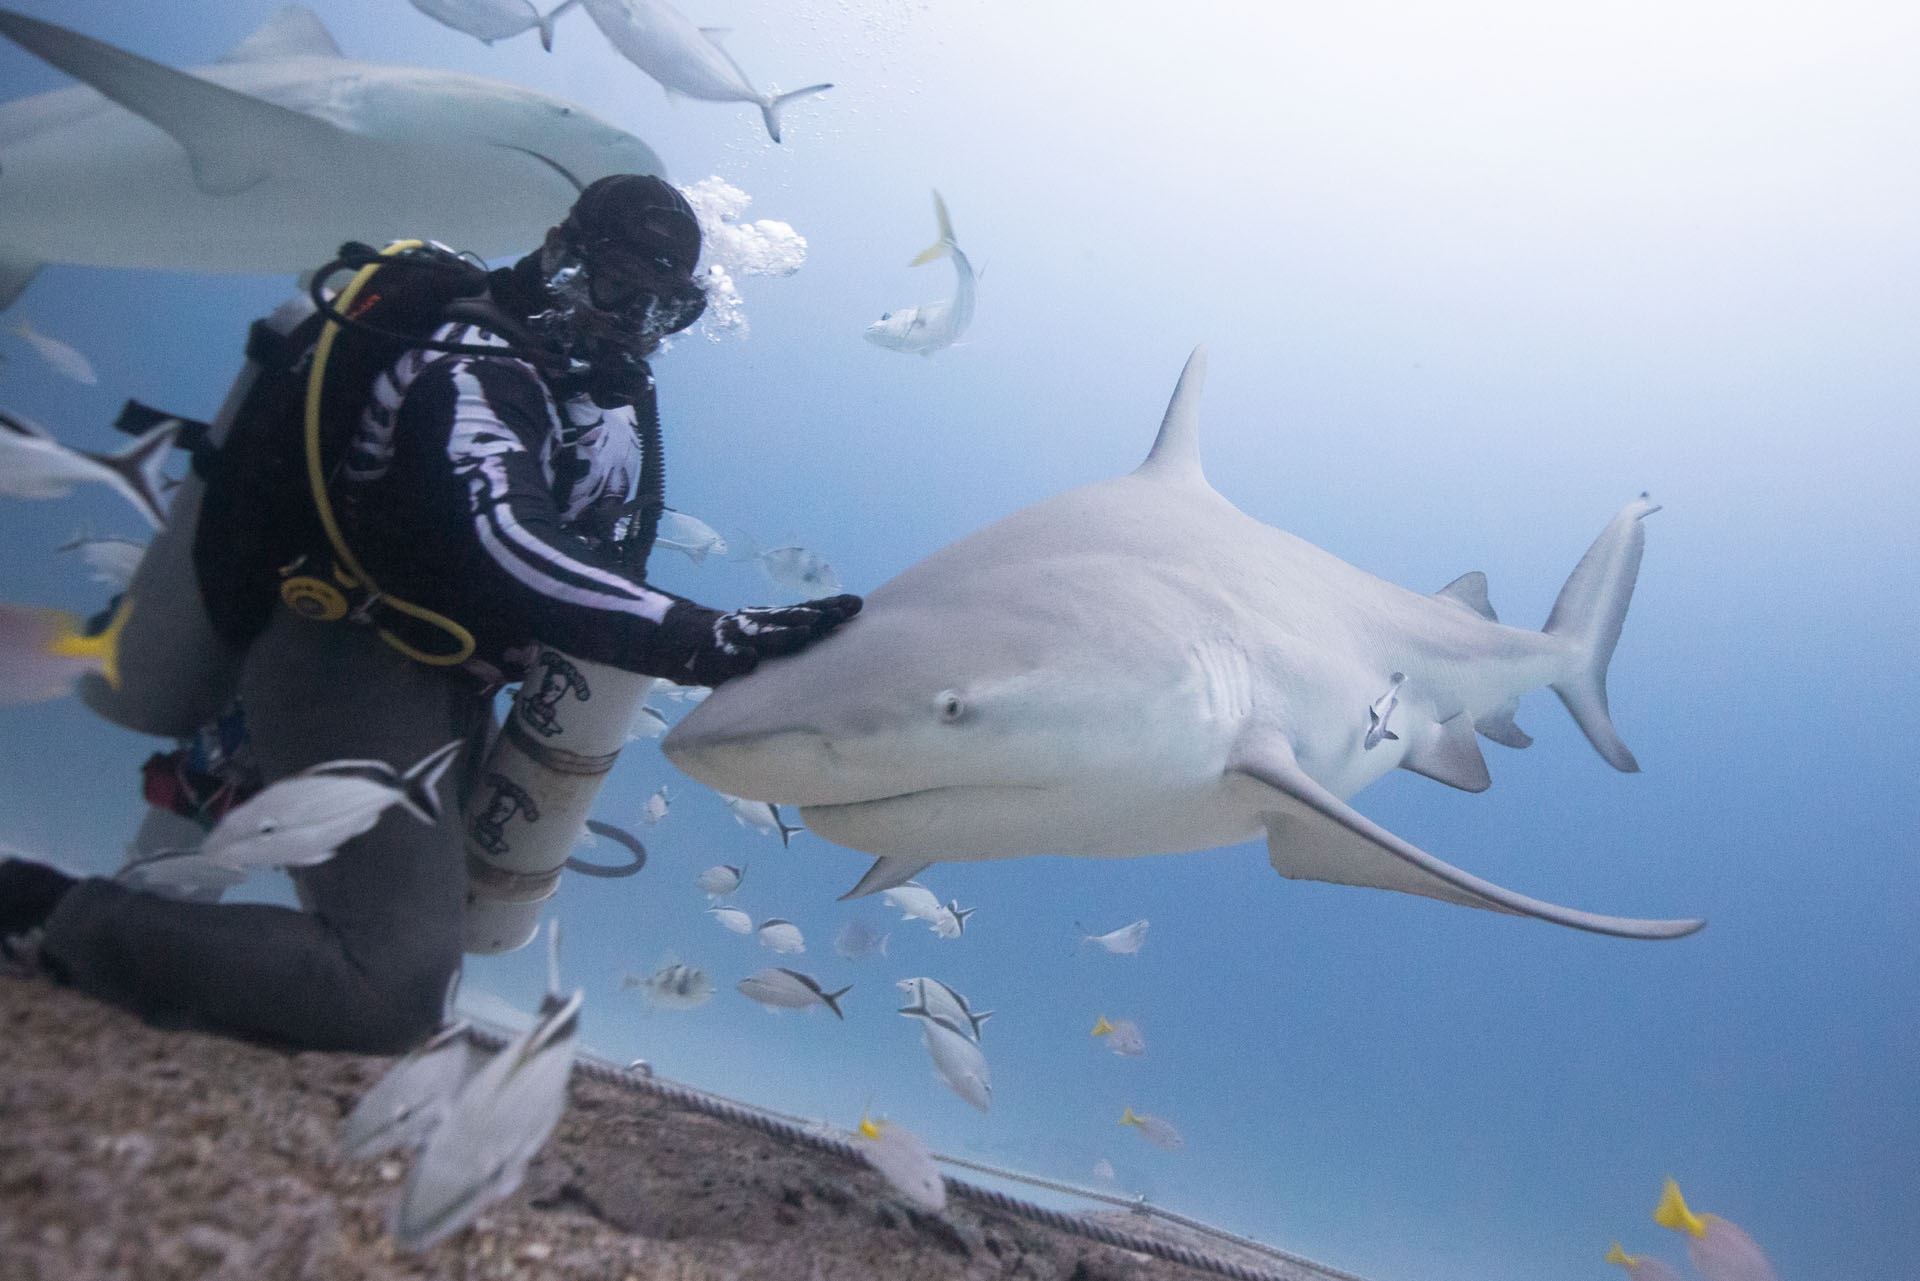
770 109
1588 615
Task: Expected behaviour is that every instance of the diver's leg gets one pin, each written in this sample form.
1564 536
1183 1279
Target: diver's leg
367 967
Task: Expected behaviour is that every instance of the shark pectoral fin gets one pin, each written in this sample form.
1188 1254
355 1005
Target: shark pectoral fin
16 273
887 872
233 141
1314 835
1499 726
1447 753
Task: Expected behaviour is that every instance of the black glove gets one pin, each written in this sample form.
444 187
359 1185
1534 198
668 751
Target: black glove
706 647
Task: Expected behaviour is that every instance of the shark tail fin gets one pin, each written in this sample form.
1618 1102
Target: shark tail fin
770 108
946 244
1588 615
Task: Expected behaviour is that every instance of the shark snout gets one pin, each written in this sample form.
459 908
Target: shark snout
785 767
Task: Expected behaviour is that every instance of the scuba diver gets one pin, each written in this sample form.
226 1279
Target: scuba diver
500 482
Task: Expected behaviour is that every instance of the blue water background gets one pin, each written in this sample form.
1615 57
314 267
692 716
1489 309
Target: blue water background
1472 276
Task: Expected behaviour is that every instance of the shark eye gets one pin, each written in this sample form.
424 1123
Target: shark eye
950 705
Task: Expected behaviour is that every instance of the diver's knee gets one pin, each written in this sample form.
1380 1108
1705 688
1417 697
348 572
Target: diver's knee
401 1003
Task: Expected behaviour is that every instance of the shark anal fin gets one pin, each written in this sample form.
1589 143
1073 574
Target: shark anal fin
886 873
233 141
1499 726
1447 753
1470 590
1314 835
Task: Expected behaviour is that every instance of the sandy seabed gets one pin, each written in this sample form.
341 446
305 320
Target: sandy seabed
132 1152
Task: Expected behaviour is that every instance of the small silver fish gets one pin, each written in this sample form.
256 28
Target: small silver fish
794 569
1103 1170
690 536
649 722
301 821
857 940
657 38
490 20
675 986
781 936
958 1061
951 921
656 807
915 900
931 999
931 326
903 1159
790 989
1379 710
718 882
1154 1130
760 816
1123 1036
64 360
405 1105
496 1124
1125 940
112 560
733 918
35 465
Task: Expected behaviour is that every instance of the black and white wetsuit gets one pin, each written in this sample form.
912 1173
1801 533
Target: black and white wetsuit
465 489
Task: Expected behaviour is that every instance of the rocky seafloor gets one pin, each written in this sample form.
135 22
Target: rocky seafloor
132 1152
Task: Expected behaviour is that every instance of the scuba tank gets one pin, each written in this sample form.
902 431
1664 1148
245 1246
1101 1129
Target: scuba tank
531 798
177 670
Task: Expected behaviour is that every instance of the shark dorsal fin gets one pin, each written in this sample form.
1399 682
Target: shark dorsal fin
1470 589
1175 456
292 32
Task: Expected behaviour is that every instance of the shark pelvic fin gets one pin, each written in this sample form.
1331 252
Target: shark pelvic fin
1588 614
1314 835
1470 589
886 873
292 32
1175 456
1447 753
233 141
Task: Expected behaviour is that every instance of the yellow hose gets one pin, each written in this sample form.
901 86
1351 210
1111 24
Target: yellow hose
317 485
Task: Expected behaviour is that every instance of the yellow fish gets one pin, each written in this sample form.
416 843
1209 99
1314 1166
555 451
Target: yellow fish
1641 1267
43 651
1719 1249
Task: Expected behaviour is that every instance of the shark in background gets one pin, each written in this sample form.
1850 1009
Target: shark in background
268 159
1137 667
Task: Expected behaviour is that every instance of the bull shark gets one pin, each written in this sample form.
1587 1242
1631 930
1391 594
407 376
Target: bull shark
268 159
1137 667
